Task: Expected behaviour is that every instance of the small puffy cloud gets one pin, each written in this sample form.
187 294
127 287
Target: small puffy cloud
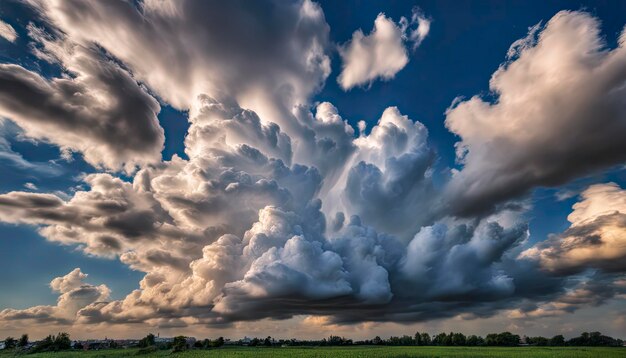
596 237
74 295
559 114
30 186
382 53
7 32
69 282
565 194
418 34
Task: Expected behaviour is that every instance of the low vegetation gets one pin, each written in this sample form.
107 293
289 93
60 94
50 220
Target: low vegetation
451 344
348 352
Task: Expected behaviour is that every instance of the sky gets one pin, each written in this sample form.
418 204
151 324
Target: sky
307 168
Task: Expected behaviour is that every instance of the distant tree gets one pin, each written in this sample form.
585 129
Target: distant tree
23 342
585 337
441 339
218 342
474 340
426 341
44 345
538 341
406 340
9 343
255 342
53 343
502 339
458 339
179 344
558 340
268 341
594 339
62 342
147 341
417 339
336 341
78 346
378 341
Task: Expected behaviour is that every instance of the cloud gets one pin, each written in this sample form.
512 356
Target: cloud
281 209
590 291
233 233
418 34
97 108
8 131
565 194
229 49
596 237
7 32
389 179
30 186
74 295
382 53
558 115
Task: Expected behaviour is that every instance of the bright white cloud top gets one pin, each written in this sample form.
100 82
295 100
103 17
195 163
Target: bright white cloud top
7 32
382 53
282 209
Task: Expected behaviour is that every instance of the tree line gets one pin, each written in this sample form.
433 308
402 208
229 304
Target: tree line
504 339
62 341
52 343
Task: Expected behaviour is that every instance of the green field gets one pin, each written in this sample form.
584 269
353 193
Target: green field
350 352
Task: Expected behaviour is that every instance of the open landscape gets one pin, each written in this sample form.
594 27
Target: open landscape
355 352
443 345
313 178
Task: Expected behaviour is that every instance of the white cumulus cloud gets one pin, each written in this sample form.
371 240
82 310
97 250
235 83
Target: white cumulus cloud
559 114
7 32
382 53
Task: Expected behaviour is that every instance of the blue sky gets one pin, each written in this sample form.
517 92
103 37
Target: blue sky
466 44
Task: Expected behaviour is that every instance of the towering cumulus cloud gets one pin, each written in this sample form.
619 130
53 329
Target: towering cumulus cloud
281 208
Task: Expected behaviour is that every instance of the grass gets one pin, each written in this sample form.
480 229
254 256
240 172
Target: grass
352 352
